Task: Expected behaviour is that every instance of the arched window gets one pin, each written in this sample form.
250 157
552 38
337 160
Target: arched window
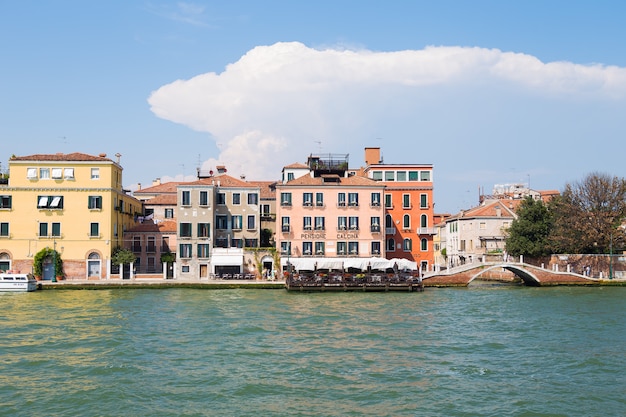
388 221
5 261
423 220
406 221
94 265
391 245
424 244
407 245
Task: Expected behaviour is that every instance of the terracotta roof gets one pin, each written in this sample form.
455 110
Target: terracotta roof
167 187
76 156
162 200
296 165
268 189
490 209
353 180
224 181
167 226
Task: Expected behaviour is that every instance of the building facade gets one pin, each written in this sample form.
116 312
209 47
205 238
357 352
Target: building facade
408 202
73 204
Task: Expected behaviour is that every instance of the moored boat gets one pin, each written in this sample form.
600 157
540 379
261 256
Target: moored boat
17 282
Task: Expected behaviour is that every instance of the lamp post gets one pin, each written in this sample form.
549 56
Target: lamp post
611 257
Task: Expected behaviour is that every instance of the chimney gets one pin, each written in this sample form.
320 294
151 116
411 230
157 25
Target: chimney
138 186
156 181
117 158
372 156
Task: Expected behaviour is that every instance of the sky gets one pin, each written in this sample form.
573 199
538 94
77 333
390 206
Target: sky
488 92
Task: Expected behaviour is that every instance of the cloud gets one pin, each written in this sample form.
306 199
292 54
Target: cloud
277 103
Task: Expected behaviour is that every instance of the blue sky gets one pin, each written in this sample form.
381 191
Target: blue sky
489 92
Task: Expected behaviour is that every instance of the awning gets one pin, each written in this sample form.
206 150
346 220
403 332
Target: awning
227 260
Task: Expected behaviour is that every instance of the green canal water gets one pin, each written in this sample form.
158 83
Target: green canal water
494 351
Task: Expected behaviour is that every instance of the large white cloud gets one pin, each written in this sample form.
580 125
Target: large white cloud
275 104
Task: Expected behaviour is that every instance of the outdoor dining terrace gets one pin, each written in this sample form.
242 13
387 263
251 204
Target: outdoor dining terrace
362 281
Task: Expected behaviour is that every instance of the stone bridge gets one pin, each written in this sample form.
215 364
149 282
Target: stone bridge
529 274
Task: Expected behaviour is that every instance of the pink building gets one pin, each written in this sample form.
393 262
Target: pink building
328 213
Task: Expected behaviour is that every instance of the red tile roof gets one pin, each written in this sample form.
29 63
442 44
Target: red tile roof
268 189
162 200
167 187
167 226
74 157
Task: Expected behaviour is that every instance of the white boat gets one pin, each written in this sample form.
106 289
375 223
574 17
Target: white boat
10 281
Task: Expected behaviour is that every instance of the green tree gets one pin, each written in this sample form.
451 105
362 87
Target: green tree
588 214
41 256
529 232
122 256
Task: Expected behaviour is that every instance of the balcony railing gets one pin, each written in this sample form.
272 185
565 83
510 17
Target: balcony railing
426 231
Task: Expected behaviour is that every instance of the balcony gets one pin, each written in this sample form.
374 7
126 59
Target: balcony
390 230
286 228
375 228
136 248
151 249
427 231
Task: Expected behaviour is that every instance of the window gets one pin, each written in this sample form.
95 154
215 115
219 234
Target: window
482 225
413 175
185 268
377 175
204 198
388 221
68 173
265 210
285 248
57 173
94 230
391 245
319 199
251 243
319 223
203 250
236 243
320 248
185 198
341 199
406 201
50 202
236 199
151 245
94 202
285 224
342 248
221 222
424 175
204 230
407 245
353 248
388 202
95 173
307 223
43 229
285 199
44 173
93 265
353 199
5 201
185 230
353 223
251 224
253 199
307 248
342 223
4 229
56 229
406 222
221 199
237 221
169 213
375 201
424 244
375 224
290 176
184 250
389 175
401 175
375 248
307 199
31 173
423 201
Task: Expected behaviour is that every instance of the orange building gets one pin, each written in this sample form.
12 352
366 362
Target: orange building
408 204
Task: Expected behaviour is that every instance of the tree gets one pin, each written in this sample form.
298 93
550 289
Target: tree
122 256
529 232
588 214
44 254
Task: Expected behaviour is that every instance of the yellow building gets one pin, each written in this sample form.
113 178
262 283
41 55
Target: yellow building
72 203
